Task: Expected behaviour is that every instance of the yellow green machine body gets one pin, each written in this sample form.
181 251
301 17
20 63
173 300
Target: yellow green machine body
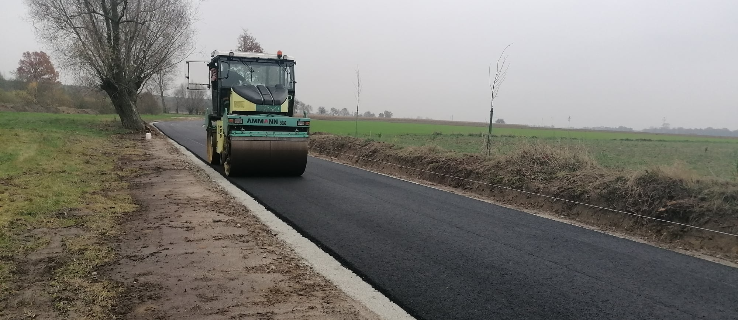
250 127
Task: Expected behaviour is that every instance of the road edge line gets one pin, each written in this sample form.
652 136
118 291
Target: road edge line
322 262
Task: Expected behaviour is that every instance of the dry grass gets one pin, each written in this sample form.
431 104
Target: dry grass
61 193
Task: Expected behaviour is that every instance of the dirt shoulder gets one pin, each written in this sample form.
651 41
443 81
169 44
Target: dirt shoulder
191 252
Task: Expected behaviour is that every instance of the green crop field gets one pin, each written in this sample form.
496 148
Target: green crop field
709 157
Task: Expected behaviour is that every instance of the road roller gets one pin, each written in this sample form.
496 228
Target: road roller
251 128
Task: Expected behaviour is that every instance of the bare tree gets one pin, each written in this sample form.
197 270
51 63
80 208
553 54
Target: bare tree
159 83
321 110
147 103
180 98
307 109
191 101
298 106
302 107
195 101
345 112
119 44
248 43
501 71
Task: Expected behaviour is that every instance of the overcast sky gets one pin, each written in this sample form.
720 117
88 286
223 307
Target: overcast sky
602 63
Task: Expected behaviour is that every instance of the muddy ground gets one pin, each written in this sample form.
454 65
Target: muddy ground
191 252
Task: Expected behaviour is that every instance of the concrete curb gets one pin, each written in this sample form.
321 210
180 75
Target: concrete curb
320 261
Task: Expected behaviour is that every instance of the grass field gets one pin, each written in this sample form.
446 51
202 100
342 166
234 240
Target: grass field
397 128
81 123
707 157
58 176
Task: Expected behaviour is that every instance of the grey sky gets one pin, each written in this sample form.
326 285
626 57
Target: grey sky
604 63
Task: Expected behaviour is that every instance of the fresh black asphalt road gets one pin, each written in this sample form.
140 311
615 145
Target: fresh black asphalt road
443 256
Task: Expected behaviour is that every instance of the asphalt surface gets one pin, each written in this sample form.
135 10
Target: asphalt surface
443 256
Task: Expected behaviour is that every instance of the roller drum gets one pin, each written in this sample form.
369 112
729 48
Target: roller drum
268 156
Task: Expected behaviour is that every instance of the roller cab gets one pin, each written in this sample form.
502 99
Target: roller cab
250 128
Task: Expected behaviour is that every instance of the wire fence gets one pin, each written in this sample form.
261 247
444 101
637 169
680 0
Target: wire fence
553 198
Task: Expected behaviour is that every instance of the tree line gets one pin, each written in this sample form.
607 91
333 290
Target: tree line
666 129
116 46
722 132
248 43
36 83
124 49
301 107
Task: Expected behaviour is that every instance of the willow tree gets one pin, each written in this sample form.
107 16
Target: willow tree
119 44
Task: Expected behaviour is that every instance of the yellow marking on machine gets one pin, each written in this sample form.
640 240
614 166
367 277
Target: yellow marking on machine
240 104
284 106
220 136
